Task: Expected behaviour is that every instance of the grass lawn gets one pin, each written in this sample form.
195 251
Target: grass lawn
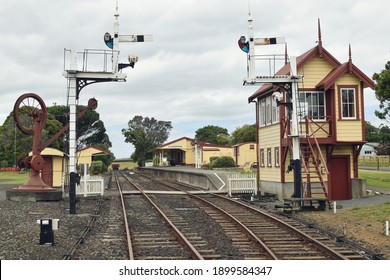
19 178
375 178
379 212
13 178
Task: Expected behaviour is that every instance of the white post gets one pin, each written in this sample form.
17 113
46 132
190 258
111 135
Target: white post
334 207
85 179
115 48
72 111
387 228
251 55
294 113
196 156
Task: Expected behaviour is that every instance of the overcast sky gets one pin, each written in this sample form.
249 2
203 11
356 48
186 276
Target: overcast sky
191 74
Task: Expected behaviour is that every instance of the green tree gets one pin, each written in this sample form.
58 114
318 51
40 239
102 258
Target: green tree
52 127
245 133
145 134
90 129
384 131
382 135
372 133
213 134
106 160
15 144
383 149
382 92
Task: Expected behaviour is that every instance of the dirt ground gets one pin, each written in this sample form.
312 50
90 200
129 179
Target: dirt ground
368 232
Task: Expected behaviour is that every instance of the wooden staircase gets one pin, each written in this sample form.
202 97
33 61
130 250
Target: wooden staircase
314 167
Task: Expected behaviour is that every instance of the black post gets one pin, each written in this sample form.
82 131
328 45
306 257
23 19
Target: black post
72 192
297 178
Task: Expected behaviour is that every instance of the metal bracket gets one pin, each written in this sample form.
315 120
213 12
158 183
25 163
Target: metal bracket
83 82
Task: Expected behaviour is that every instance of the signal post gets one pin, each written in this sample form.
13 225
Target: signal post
78 79
288 82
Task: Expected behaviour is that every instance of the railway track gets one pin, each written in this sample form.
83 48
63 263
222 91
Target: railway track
253 233
158 220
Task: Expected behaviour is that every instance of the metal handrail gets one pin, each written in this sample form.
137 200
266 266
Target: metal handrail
85 58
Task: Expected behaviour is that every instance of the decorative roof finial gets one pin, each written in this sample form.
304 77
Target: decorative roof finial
319 38
285 54
350 60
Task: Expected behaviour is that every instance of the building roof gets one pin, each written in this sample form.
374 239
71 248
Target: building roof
328 81
339 71
99 150
371 144
245 143
174 141
52 152
203 144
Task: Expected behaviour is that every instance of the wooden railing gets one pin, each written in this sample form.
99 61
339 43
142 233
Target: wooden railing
320 126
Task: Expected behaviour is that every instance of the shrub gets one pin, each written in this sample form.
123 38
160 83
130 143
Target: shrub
212 159
156 161
222 162
96 167
206 166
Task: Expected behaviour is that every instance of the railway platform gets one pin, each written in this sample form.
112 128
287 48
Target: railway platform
219 179
209 179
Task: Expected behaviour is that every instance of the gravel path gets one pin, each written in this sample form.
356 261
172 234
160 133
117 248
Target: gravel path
20 232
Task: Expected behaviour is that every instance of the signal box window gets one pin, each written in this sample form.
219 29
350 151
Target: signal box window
315 101
348 103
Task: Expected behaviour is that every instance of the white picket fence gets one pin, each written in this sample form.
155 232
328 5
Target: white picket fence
90 185
242 183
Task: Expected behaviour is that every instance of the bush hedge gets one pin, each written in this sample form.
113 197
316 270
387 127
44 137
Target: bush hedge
96 167
222 162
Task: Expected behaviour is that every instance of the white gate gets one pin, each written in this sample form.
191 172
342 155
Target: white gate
90 185
242 183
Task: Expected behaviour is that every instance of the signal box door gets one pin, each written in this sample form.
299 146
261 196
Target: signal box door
340 187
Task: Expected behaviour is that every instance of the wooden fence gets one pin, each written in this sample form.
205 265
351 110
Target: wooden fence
90 185
242 183
374 159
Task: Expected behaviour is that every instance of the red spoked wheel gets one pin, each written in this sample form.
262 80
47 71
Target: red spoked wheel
29 109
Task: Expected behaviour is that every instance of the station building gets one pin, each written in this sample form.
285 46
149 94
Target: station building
85 155
331 100
245 154
187 151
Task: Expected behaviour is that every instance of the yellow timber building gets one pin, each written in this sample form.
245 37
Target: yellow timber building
331 122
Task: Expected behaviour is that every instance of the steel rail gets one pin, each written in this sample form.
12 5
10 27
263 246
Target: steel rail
130 251
244 228
87 229
322 247
183 240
